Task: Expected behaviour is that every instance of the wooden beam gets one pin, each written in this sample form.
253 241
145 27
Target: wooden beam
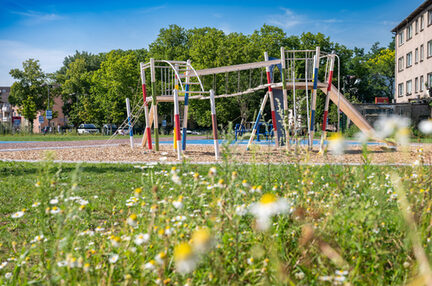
234 68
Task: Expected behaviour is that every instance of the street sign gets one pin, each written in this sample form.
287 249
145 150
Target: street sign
48 114
41 119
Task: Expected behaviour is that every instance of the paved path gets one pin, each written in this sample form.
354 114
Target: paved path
49 145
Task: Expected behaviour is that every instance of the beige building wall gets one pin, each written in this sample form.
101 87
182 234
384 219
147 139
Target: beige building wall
414 55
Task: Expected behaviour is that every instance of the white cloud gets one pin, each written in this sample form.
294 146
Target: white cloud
287 20
31 17
15 53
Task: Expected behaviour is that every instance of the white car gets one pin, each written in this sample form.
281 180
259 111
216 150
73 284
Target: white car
87 129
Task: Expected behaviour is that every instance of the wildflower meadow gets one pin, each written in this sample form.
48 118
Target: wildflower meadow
220 224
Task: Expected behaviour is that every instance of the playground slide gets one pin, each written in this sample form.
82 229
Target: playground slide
350 111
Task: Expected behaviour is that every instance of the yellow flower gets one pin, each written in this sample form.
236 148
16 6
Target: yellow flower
268 199
182 251
201 239
137 192
184 258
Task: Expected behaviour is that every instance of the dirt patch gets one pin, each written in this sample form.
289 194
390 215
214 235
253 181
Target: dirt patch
205 153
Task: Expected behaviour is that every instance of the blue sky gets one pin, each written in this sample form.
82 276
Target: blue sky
50 30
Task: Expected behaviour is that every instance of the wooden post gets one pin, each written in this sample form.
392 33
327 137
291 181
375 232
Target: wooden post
285 97
154 103
147 133
177 123
214 123
327 101
272 107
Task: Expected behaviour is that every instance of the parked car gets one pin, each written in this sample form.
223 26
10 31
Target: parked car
88 129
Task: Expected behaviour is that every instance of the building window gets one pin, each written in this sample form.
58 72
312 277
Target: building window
409 32
416 26
429 80
421 53
401 64
430 17
401 38
400 89
421 83
416 55
409 87
416 85
409 59
429 49
421 23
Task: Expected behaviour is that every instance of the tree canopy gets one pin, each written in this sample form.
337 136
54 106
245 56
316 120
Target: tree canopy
94 87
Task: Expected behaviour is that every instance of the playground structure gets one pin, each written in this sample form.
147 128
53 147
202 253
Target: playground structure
174 81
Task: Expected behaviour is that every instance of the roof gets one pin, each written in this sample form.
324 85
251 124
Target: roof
412 15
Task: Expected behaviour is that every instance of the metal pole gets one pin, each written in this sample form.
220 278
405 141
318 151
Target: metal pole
272 107
255 127
154 103
214 123
314 95
129 122
186 106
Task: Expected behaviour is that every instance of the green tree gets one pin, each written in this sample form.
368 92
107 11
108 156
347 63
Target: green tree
381 69
28 92
117 79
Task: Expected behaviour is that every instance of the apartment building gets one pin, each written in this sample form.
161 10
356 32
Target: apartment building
413 75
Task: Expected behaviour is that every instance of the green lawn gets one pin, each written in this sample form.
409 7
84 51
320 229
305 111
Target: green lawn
336 223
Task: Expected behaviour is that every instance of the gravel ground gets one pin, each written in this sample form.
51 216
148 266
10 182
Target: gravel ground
205 153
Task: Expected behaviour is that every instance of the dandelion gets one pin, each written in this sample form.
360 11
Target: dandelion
113 258
425 126
18 214
201 240
184 258
267 207
132 220
141 238
336 144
